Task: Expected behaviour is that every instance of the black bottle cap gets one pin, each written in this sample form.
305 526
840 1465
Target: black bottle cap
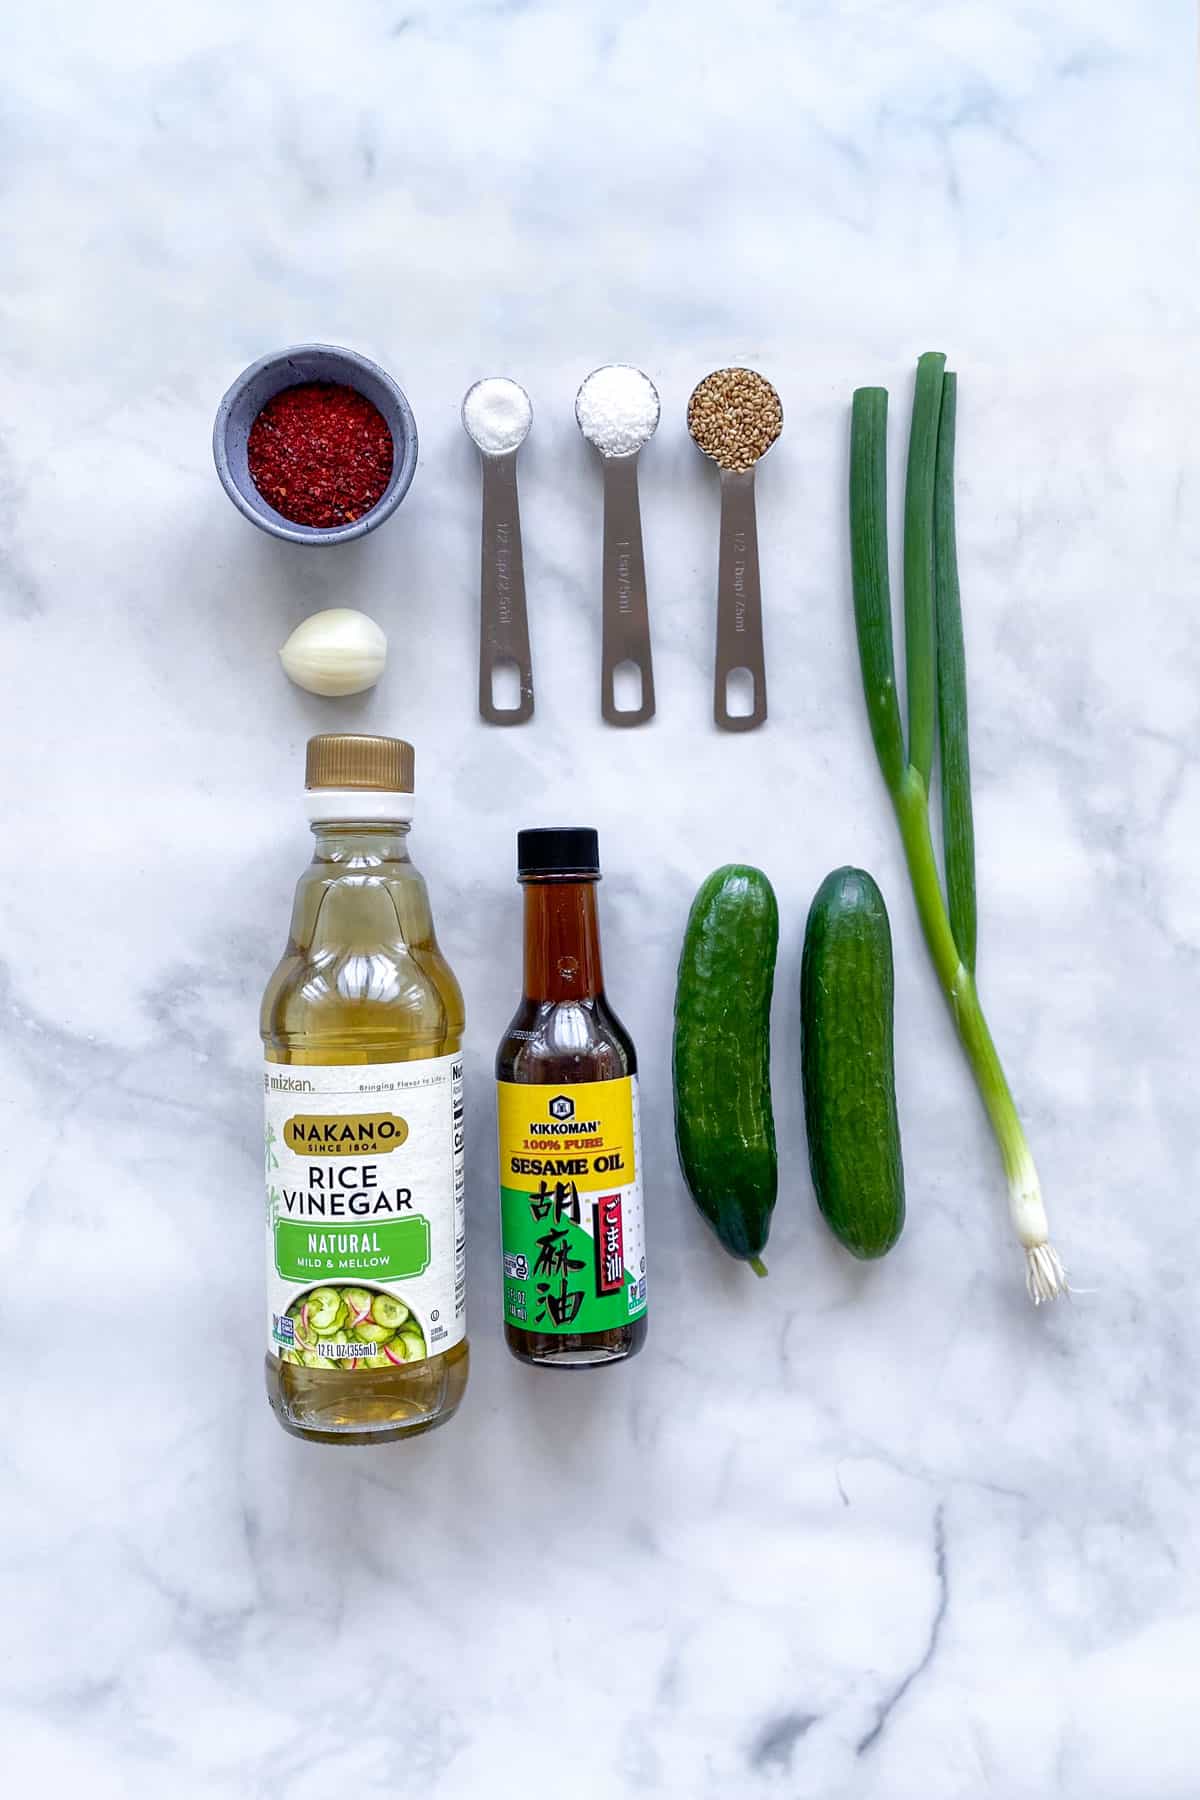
558 850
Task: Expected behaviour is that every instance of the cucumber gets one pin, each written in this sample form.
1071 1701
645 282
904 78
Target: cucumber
724 1125
367 1332
323 1306
387 1311
848 1064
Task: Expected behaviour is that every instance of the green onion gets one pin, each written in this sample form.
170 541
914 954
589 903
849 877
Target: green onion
936 691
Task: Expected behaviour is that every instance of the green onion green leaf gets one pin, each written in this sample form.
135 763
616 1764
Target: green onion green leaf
919 643
958 825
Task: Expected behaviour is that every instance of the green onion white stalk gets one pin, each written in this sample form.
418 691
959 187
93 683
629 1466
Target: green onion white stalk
937 709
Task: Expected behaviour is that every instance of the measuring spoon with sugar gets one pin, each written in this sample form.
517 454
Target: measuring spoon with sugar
497 414
734 416
617 409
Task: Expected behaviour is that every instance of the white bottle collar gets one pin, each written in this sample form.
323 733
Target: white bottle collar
373 806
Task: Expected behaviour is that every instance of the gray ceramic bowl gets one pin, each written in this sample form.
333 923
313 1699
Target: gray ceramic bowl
288 368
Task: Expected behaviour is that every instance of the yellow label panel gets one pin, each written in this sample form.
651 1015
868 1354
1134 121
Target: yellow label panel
580 1132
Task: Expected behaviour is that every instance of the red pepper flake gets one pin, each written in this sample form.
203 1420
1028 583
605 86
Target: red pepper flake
320 454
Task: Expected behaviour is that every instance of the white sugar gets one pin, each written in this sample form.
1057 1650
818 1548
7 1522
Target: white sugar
617 409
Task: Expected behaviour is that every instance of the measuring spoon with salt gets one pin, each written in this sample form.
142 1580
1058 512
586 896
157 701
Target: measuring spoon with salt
497 414
617 409
734 416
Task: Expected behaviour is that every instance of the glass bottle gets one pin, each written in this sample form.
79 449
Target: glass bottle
362 1027
572 1231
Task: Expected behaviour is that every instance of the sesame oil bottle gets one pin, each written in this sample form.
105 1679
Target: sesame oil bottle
572 1234
362 1027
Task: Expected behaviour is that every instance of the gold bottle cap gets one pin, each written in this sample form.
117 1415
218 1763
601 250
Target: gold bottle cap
352 760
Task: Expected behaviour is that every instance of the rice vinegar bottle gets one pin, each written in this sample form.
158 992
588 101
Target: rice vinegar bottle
572 1234
362 1027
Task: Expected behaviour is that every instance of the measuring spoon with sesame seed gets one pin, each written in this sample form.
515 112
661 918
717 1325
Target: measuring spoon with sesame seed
734 416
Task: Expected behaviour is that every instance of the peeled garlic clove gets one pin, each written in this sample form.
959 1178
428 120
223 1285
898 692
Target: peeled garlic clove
339 651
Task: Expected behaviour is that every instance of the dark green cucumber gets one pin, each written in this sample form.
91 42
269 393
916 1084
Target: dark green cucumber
848 1064
724 1125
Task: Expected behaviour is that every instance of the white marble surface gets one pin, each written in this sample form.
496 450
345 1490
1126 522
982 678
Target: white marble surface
879 1533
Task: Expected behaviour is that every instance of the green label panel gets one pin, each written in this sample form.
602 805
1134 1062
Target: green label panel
391 1250
559 1276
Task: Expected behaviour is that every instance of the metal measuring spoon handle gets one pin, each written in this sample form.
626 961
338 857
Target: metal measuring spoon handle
503 617
739 603
625 611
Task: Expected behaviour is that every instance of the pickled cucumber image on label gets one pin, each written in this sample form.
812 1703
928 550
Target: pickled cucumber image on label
365 1213
349 1328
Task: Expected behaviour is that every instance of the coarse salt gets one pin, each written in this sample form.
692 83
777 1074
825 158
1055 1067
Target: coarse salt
497 414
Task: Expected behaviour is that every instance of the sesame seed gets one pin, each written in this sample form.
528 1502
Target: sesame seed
735 416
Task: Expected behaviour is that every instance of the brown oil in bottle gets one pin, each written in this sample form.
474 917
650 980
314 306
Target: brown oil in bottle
566 1071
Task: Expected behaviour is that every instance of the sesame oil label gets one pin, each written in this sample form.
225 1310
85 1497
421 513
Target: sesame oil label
573 1238
366 1264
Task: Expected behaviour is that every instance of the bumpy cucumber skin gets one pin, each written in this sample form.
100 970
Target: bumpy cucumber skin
848 1064
724 1124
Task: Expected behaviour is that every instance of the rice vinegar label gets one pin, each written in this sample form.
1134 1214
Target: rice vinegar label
366 1244
572 1231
